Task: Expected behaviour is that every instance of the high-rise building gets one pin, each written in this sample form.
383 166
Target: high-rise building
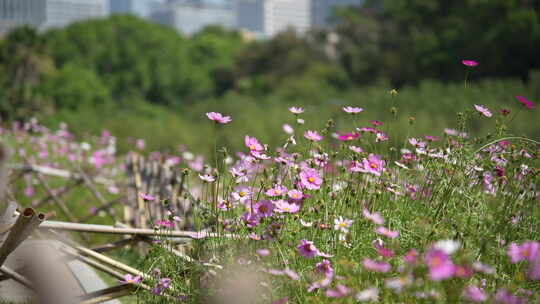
45 14
268 17
141 8
191 16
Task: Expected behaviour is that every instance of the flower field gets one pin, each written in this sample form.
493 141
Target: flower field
331 215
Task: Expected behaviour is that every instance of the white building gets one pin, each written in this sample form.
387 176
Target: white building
44 14
140 8
189 17
266 18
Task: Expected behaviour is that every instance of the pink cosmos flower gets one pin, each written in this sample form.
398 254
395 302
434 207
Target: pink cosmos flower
356 149
295 194
28 191
376 123
263 252
352 110
339 292
313 136
474 294
310 179
411 256
463 271
387 232
374 217
534 269
469 63
250 219
253 144
264 208
373 164
164 224
440 265
348 136
296 110
283 206
381 136
278 190
207 178
281 301
140 144
325 267
527 251
218 117
147 197
130 279
307 249
527 103
288 129
483 110
372 265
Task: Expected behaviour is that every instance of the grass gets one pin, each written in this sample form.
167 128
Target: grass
477 193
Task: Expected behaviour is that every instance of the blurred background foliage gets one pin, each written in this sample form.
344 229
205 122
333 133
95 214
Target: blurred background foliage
139 79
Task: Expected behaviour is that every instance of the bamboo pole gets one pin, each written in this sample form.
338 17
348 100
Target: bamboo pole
117 244
16 277
26 223
56 172
107 294
133 231
8 218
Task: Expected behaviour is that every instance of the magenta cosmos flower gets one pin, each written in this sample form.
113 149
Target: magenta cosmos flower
218 117
483 110
348 136
469 63
310 179
527 103
296 110
474 294
307 249
439 264
264 208
372 265
253 144
527 251
352 110
325 267
313 136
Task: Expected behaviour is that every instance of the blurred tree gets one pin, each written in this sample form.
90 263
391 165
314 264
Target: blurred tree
24 64
74 87
134 58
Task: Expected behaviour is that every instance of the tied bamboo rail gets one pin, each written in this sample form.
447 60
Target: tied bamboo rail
132 231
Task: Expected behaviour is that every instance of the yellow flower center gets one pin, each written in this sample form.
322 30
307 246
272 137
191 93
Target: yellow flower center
295 195
311 179
436 261
343 224
525 252
350 137
373 165
252 147
242 193
277 191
